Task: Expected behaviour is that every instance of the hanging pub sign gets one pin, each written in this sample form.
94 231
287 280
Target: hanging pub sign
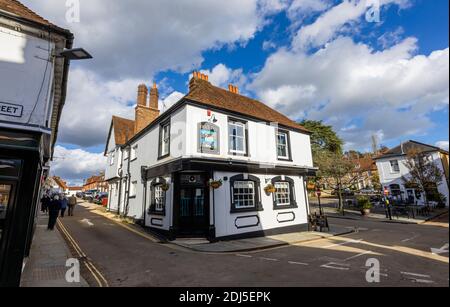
208 138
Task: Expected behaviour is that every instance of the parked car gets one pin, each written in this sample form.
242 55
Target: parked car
99 197
89 195
345 192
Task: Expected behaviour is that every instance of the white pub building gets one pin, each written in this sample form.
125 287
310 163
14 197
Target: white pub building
216 164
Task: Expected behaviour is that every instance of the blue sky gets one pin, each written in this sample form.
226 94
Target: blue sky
315 59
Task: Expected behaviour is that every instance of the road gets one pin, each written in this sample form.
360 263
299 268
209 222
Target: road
403 251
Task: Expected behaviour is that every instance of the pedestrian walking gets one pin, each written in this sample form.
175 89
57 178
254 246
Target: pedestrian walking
45 202
72 204
64 204
53 211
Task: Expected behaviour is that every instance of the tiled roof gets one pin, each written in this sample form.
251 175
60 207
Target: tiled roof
406 147
61 183
95 179
123 129
17 8
75 188
203 92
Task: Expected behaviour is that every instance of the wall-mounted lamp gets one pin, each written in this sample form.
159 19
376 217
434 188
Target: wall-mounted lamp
75 54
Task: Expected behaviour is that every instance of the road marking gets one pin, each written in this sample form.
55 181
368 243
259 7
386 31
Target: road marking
412 238
245 256
343 243
359 255
268 259
442 250
415 274
89 265
87 221
423 281
335 266
299 263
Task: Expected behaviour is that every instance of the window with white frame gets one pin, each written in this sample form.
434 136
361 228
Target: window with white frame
164 139
395 167
133 152
116 189
159 198
237 142
282 194
133 187
244 194
282 145
126 154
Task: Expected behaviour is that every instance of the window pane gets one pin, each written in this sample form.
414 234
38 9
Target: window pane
244 194
282 194
236 137
282 145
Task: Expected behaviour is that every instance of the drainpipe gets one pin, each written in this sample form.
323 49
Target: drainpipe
144 179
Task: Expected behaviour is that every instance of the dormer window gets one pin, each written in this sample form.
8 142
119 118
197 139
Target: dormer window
283 146
395 168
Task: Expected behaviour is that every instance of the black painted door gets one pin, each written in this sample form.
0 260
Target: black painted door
193 213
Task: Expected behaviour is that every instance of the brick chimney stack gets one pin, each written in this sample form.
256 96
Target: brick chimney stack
146 114
196 78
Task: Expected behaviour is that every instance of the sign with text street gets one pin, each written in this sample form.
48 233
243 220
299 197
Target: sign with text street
10 109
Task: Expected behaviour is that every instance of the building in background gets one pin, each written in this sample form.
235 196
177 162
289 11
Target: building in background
73 191
96 182
34 68
392 169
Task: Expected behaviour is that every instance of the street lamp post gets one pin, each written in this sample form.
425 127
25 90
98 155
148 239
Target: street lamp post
319 193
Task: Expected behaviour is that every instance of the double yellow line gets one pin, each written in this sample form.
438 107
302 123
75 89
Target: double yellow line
100 279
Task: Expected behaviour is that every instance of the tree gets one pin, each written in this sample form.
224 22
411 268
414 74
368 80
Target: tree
424 174
338 172
323 138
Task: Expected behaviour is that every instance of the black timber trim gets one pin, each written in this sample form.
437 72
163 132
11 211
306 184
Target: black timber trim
245 217
285 213
227 165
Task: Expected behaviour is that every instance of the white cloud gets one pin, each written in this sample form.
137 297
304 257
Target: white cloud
221 76
328 25
72 165
389 91
91 102
137 38
443 144
170 100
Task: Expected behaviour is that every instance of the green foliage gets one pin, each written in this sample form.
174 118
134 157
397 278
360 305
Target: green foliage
323 138
364 203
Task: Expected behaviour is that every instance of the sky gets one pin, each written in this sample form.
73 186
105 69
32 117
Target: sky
366 67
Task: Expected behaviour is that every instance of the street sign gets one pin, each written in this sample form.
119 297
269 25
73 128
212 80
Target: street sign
318 192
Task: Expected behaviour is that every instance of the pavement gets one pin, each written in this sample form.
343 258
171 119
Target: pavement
413 255
46 266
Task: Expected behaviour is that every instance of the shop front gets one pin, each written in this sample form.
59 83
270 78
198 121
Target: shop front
21 168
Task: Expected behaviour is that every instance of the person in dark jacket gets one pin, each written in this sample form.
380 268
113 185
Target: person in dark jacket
53 212
64 203
45 202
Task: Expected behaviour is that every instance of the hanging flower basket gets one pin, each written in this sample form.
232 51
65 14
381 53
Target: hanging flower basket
270 188
165 187
215 184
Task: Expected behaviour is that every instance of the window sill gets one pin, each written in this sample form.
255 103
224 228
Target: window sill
256 209
163 157
132 196
132 160
285 159
158 213
293 206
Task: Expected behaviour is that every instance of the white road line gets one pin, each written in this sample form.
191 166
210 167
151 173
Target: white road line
423 281
245 256
409 239
335 266
343 243
299 263
415 274
268 259
359 255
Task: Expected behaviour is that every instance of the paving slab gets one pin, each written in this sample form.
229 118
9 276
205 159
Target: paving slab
46 265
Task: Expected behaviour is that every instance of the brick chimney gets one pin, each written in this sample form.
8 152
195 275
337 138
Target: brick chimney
233 89
196 78
146 113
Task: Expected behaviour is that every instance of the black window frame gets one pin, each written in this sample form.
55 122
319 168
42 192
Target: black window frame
288 140
258 200
292 194
246 134
152 209
161 129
